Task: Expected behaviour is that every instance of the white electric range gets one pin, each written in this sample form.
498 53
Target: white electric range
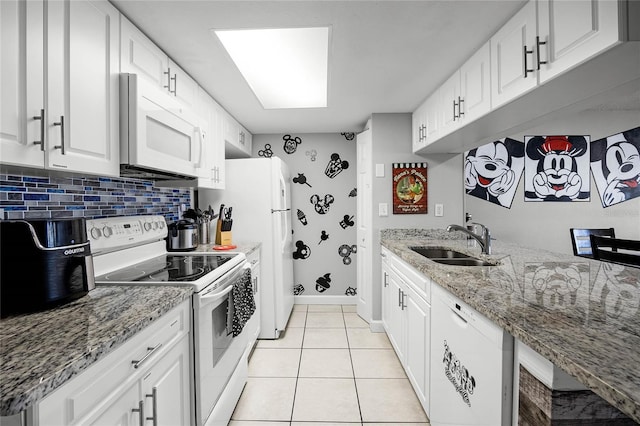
131 250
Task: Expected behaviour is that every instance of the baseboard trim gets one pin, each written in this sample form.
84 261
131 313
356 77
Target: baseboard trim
324 300
376 326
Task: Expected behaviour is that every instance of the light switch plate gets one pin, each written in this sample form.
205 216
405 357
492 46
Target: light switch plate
379 170
383 209
439 210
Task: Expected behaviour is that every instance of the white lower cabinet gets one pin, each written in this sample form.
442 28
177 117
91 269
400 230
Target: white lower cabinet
406 315
145 381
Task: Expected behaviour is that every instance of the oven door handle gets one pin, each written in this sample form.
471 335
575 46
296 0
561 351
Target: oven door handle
211 297
215 296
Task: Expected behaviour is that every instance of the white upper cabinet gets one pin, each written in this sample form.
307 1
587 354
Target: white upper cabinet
139 55
512 60
211 169
426 122
238 141
570 32
475 86
548 37
77 129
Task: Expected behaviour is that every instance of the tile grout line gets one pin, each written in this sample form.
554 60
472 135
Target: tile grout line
295 388
353 370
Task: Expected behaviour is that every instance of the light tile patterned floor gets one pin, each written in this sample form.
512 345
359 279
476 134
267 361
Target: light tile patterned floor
327 369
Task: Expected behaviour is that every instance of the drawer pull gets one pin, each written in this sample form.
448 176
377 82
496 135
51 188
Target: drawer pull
140 411
138 363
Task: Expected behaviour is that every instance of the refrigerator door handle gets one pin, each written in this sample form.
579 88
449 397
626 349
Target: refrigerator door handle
279 210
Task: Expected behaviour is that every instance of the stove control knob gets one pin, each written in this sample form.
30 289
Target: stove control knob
147 226
107 231
161 224
95 233
154 225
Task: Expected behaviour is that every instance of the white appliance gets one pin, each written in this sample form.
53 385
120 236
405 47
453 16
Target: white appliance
471 366
131 251
159 138
259 191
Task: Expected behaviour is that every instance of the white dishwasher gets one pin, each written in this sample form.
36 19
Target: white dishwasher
471 365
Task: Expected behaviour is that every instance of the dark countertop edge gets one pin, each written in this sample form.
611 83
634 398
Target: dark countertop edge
11 405
622 401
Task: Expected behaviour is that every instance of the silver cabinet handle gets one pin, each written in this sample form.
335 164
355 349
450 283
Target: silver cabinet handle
138 363
154 405
41 141
399 298
460 112
61 124
403 305
454 110
168 74
385 282
538 43
140 411
175 84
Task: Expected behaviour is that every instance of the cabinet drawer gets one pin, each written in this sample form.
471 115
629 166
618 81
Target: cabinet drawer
420 282
87 395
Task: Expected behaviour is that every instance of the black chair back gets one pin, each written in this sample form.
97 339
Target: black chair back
581 242
626 252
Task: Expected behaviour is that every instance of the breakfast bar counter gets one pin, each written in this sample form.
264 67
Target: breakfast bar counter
580 314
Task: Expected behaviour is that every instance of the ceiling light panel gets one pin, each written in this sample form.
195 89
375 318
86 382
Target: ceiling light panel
285 67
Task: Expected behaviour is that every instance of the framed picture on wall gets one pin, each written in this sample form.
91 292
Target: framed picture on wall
409 188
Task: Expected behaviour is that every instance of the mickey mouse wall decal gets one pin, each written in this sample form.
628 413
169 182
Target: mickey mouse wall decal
347 221
302 217
323 237
312 154
351 291
557 168
345 251
302 250
323 283
348 135
321 205
298 289
291 144
266 152
335 166
301 179
353 192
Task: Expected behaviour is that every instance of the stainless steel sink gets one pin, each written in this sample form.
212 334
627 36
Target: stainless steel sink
439 253
450 257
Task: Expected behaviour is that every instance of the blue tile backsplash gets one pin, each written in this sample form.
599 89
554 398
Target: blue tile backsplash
31 197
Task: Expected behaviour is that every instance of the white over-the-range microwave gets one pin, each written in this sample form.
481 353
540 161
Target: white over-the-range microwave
159 137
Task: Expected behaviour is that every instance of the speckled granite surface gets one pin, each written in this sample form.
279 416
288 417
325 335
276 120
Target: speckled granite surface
40 351
582 315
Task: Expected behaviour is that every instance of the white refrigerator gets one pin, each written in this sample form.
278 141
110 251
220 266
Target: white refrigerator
258 190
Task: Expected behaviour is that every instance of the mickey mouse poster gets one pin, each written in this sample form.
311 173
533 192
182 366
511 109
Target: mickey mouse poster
492 171
557 168
615 165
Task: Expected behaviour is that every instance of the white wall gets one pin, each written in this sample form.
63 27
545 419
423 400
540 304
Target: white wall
391 134
546 224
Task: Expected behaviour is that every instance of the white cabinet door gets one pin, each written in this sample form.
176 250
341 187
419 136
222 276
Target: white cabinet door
574 31
512 60
125 410
418 329
395 330
385 272
432 118
166 388
419 127
449 104
475 86
82 87
139 55
22 121
183 86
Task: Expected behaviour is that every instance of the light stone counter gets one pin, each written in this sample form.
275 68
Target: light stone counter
41 351
582 315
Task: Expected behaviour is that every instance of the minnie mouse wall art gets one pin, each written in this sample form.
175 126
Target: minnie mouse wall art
557 168
492 171
615 165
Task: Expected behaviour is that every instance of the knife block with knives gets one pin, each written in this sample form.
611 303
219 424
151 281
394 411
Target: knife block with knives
223 227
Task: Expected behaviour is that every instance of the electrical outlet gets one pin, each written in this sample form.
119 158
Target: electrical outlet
439 210
379 169
383 209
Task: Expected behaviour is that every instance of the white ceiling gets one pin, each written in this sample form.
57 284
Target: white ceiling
385 56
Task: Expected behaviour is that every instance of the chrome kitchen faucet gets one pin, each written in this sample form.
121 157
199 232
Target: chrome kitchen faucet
484 239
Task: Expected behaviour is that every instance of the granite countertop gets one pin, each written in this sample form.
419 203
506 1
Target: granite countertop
582 315
41 351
